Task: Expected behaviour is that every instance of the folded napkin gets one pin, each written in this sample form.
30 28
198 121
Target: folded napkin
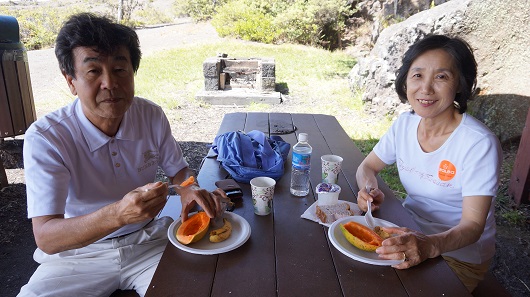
310 213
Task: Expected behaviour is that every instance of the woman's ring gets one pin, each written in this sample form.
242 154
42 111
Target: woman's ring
405 257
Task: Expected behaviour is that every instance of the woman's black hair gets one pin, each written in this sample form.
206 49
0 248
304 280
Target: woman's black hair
463 58
89 30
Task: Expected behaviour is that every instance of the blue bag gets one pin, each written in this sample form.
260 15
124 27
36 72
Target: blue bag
252 154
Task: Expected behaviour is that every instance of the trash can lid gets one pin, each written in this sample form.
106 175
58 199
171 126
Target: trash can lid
10 30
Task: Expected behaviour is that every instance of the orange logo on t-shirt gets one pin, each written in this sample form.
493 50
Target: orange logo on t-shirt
446 171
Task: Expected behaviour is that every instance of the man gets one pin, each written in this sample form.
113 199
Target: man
89 168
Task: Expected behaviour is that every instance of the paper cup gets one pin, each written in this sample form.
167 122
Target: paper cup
331 166
262 193
327 193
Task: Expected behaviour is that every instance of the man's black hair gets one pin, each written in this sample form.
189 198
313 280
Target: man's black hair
100 33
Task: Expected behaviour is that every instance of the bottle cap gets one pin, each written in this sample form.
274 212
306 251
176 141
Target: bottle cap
302 137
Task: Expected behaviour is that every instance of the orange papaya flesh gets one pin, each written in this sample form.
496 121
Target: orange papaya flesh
189 181
361 236
193 229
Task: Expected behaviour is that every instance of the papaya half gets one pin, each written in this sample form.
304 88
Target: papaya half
361 236
194 228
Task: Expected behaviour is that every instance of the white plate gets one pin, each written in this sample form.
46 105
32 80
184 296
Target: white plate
344 246
240 234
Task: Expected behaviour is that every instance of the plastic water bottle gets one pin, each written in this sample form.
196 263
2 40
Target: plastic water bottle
301 166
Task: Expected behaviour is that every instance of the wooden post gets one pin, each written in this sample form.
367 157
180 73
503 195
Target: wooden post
519 187
6 125
17 110
3 176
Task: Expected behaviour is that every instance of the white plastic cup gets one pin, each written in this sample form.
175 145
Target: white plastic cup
262 193
327 196
331 166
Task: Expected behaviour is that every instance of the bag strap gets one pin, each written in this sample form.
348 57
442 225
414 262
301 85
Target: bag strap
284 147
268 155
247 150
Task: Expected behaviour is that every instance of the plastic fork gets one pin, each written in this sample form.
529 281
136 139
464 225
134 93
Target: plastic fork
169 187
368 216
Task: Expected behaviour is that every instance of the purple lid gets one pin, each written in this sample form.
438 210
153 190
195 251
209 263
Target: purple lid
327 187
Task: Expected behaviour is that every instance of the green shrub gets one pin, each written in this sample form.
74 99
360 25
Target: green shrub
314 22
331 17
243 21
310 22
199 10
298 25
128 9
39 26
152 16
514 217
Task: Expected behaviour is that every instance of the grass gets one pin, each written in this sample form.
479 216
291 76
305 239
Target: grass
316 77
300 68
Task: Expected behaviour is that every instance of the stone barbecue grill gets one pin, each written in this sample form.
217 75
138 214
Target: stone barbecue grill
239 81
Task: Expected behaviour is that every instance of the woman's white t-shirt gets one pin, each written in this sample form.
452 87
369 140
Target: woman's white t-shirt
467 164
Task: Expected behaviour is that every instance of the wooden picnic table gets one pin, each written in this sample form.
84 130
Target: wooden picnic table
290 256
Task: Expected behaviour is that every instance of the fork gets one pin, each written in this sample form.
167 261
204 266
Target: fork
368 216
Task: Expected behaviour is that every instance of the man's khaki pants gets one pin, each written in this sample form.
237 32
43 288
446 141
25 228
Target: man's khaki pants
126 263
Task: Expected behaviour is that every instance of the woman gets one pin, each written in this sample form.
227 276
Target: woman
448 163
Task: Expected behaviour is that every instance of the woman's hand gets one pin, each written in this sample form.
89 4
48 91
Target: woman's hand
375 196
404 243
366 175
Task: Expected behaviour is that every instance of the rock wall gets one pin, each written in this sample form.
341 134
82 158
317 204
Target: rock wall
392 8
496 31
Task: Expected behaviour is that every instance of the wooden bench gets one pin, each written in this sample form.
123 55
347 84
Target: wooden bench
487 288
490 287
519 187
126 293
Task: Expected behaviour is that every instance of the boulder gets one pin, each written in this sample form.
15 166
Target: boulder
385 9
494 29
504 114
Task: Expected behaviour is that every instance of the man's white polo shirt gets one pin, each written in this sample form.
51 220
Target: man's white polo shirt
73 168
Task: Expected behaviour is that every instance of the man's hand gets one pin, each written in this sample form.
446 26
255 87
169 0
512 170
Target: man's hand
136 206
210 202
142 203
